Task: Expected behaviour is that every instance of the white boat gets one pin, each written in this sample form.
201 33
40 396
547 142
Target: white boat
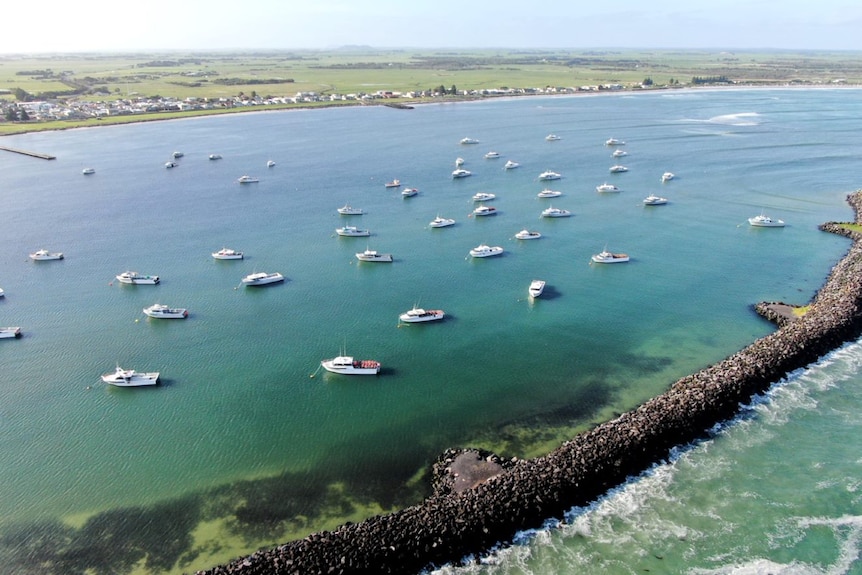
526 234
617 168
178 154
88 171
549 194
215 156
164 312
270 164
393 184
536 288
170 165
409 192
549 175
227 254
552 137
654 200
417 315
373 256
614 142
247 180
555 213
439 222
352 231
763 221
667 176
461 173
136 278
41 255
469 141
606 187
348 366
130 378
484 251
482 196
485 211
10 332
511 165
619 153
492 155
2 293
262 278
606 257
459 162
347 210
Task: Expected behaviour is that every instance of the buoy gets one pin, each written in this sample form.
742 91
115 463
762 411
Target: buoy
137 320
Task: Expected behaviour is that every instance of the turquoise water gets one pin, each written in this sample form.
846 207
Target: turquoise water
242 447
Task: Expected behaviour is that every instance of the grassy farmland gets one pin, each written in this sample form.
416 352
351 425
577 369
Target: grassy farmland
179 75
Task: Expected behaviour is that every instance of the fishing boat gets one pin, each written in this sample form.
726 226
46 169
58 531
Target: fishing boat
417 315
348 210
130 378
393 184
373 256
347 365
136 278
227 254
606 257
160 311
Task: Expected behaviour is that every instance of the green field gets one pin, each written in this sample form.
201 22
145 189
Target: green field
212 75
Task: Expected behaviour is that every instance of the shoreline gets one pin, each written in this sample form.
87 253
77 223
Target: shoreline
502 498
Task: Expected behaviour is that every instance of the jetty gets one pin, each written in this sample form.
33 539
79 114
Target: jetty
480 501
28 153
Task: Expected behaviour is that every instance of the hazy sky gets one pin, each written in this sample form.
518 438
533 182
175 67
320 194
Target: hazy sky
102 25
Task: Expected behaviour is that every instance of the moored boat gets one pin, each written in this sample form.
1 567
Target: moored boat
469 141
763 221
177 154
492 155
409 192
262 278
164 312
130 378
619 153
88 171
483 196
654 200
485 211
606 257
461 173
606 187
347 365
617 169
536 288
614 142
373 256
417 315
227 254
549 175
215 156
667 176
549 194
348 210
393 184
555 213
526 234
170 165
484 251
352 231
8 332
552 137
136 278
439 222
43 255
247 179
270 164
510 165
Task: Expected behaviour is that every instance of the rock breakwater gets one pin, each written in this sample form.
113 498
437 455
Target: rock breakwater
515 495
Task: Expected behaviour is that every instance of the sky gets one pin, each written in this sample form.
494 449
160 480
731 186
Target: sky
110 26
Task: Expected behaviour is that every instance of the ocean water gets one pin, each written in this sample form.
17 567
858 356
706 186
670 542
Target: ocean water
247 443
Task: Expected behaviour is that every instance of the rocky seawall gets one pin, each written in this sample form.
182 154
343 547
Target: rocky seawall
481 501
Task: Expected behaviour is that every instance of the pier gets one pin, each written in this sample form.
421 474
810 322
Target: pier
28 153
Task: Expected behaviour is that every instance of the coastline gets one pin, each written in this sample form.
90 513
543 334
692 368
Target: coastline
514 495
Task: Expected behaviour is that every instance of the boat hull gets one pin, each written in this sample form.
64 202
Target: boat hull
10 332
138 280
420 316
382 258
612 259
166 313
536 288
130 378
227 255
261 281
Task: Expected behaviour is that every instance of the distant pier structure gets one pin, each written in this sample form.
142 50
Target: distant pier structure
28 153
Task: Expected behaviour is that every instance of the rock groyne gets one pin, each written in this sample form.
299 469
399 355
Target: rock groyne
510 496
